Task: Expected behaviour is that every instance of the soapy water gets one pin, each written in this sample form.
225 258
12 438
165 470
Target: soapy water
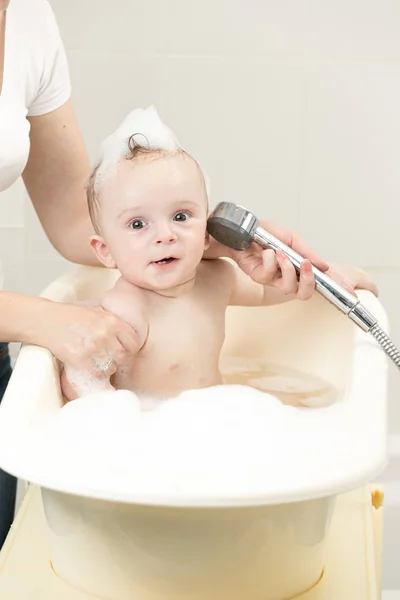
227 441
291 386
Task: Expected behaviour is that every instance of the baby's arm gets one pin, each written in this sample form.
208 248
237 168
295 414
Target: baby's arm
124 301
246 292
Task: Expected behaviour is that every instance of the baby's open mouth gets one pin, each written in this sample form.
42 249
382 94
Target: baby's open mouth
165 261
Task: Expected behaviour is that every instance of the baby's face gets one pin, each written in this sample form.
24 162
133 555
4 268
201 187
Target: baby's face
153 217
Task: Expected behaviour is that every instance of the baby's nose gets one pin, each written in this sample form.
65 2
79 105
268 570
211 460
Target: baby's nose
165 235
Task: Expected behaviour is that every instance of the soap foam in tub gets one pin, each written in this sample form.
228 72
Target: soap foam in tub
227 441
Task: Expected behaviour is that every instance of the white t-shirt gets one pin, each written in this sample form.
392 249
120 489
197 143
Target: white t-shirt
35 80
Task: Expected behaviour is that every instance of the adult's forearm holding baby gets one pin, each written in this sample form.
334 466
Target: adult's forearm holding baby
79 336
20 316
122 303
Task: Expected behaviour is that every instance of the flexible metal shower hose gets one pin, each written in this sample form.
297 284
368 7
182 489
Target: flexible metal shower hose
386 344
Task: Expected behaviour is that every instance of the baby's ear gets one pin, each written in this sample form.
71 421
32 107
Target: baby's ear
102 252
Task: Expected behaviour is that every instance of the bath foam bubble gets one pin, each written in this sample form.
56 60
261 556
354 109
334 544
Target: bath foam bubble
84 382
148 130
228 441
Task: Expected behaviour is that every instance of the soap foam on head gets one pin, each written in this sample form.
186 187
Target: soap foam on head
148 131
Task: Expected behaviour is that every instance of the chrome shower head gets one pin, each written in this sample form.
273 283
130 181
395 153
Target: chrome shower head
232 225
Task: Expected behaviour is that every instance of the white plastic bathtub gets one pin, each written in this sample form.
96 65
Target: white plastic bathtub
120 545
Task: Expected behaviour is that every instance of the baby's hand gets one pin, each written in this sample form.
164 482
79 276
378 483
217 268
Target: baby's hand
276 270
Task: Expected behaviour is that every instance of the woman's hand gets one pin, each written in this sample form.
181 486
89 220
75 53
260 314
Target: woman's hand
87 339
355 278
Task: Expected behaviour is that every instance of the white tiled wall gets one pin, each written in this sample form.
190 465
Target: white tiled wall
292 107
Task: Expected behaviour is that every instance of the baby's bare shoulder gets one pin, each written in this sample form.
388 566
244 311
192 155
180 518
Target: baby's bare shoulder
126 302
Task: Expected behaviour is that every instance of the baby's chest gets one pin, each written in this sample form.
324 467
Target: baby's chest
186 329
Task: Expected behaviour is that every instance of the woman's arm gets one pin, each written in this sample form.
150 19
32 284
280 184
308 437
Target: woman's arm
81 336
19 317
55 175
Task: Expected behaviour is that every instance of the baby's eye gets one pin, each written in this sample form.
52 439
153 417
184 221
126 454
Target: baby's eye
137 224
181 216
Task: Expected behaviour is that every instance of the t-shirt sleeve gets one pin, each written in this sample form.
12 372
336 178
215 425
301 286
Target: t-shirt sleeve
55 86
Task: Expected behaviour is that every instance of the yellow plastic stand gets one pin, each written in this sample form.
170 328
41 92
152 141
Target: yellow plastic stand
353 568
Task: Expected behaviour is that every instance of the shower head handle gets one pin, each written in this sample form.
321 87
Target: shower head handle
236 227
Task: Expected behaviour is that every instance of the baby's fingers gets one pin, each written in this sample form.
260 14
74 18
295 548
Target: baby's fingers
288 283
270 266
306 281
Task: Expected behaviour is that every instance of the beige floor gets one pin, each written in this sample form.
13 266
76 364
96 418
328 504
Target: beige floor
353 570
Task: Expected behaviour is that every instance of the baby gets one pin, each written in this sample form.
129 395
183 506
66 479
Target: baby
148 202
